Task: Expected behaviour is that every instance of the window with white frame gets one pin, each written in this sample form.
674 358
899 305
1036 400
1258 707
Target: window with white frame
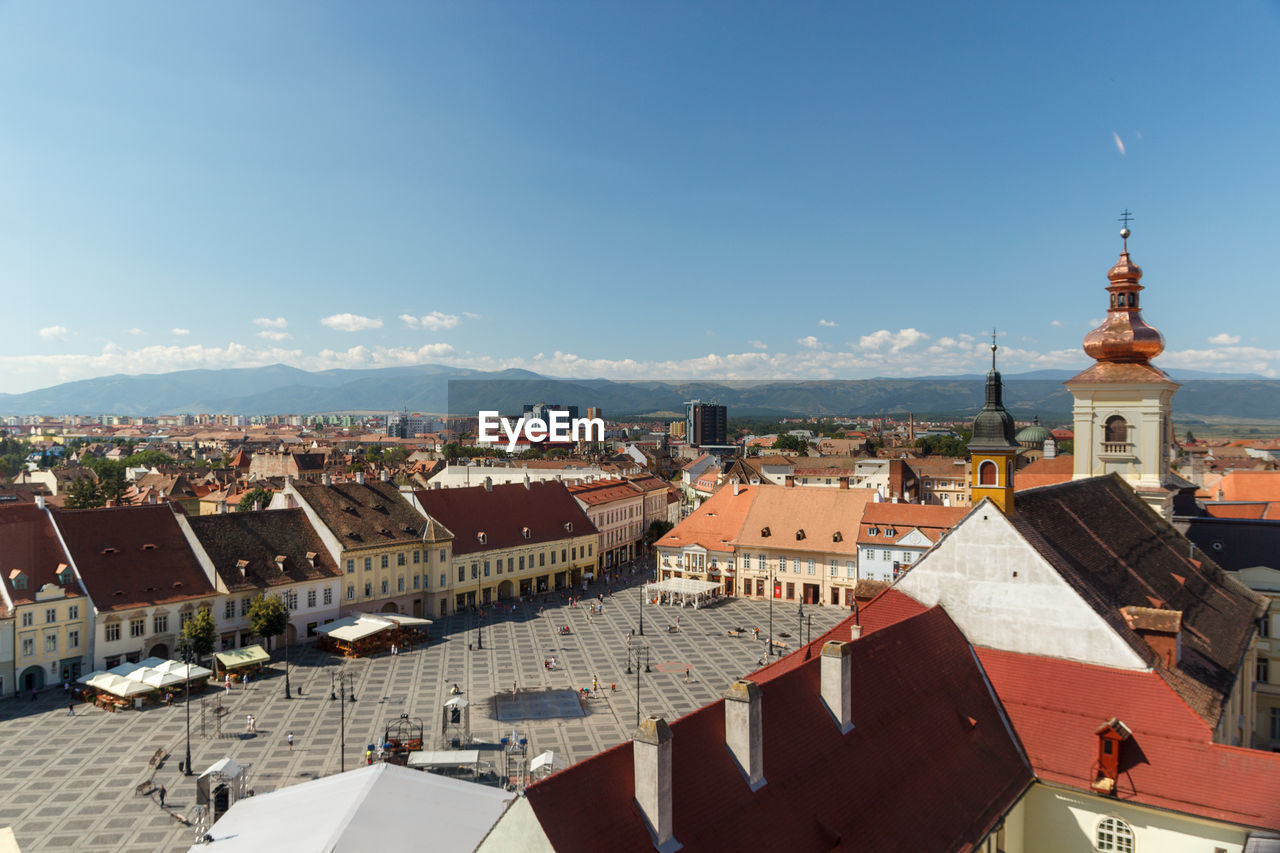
311 598
73 639
50 643
160 623
29 646
111 632
1113 836
328 595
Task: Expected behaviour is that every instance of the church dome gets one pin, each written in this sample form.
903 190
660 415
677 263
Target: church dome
1033 436
1124 337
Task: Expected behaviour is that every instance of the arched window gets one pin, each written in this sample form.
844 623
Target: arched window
988 473
1117 430
1114 836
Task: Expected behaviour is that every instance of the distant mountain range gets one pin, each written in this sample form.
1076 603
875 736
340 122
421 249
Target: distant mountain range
278 389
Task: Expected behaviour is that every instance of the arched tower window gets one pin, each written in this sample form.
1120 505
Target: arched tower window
1117 430
1113 835
988 473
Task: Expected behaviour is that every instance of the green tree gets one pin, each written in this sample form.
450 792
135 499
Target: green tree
201 632
111 480
1066 448
148 459
84 494
268 617
657 529
1190 437
794 443
450 451
259 495
942 445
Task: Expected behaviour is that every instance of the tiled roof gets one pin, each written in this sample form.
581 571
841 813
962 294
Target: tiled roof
604 491
827 519
1115 552
1044 472
28 543
1250 486
258 538
940 466
1169 762
503 513
716 523
885 785
888 523
363 515
1128 373
132 556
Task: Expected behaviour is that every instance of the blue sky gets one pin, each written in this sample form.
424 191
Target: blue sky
631 189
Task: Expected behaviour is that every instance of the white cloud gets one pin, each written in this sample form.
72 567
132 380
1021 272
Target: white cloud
895 341
272 335
268 323
758 344
809 342
830 324
433 322
54 333
1222 340
351 323
470 316
134 331
1055 322
1119 143
179 332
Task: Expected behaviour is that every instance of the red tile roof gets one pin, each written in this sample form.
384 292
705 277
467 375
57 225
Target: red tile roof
1044 472
503 512
929 764
603 491
28 543
716 523
1169 762
132 556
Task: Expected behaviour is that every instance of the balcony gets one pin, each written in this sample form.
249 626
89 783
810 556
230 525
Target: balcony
1117 448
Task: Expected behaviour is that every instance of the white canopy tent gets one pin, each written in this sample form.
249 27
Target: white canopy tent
684 592
116 685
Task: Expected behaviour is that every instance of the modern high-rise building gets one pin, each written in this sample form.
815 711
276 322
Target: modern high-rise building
705 423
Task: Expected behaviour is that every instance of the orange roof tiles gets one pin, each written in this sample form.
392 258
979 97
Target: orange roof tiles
827 519
715 524
1044 472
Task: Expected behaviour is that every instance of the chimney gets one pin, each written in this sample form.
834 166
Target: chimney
488 484
39 501
837 683
527 485
1050 447
855 632
789 480
384 475
326 480
651 757
743 731
257 506
360 478
1160 629
844 482
735 486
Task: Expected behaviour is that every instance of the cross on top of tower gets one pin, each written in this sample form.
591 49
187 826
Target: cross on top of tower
1125 232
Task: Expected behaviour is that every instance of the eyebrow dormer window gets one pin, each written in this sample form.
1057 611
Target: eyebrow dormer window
482 538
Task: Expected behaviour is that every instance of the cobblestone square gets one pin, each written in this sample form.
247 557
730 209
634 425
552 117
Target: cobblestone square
69 783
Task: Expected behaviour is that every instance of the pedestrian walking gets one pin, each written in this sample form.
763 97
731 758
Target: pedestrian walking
66 687
686 674
71 709
162 792
248 723
289 738
226 684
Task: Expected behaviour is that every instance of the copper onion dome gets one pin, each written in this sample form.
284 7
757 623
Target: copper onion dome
1124 337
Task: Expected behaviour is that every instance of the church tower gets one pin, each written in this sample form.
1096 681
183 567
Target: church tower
993 450
1122 412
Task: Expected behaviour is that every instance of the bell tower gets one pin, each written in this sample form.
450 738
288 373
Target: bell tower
1122 404
993 450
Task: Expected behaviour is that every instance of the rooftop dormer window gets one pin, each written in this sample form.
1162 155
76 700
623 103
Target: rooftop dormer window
873 531
800 534
482 538
18 578
526 532
765 532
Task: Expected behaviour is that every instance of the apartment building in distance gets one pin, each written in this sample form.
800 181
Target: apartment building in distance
944 481
497 542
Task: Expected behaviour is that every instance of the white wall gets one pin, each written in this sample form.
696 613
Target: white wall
1004 595
518 831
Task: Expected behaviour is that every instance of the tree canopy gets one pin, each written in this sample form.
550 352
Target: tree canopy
268 616
201 632
259 495
793 443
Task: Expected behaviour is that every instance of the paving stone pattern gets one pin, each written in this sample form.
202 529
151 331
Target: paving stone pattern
69 783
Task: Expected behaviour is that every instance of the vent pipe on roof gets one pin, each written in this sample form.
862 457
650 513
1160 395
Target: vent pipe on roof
837 683
651 757
743 730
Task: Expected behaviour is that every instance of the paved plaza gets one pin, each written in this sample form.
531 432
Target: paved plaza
70 783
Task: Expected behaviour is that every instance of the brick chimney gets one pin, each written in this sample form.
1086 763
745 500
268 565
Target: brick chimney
651 757
743 733
789 480
837 682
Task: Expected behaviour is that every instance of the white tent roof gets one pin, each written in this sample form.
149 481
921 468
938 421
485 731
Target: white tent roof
682 586
347 811
118 685
456 702
351 628
546 759
444 758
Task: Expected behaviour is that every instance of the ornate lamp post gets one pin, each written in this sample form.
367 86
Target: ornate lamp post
640 653
185 648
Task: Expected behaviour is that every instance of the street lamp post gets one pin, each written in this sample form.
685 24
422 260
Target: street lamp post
342 716
288 694
771 594
643 595
479 616
800 627
186 700
640 653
